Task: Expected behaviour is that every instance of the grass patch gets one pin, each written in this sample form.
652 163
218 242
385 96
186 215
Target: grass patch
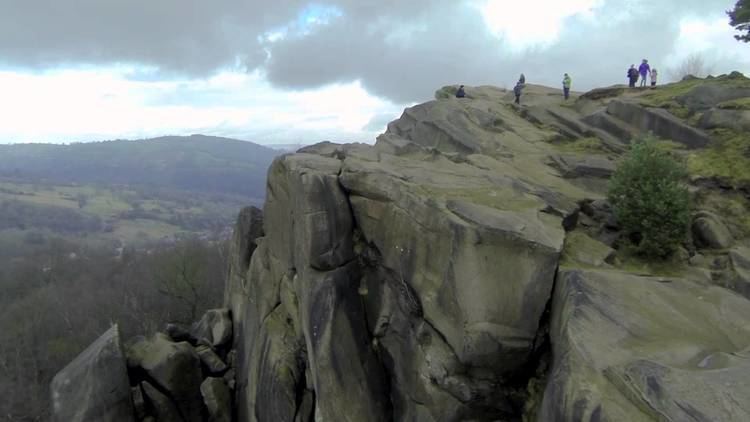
727 159
738 104
630 261
733 207
143 231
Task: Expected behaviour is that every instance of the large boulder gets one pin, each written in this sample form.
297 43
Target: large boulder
172 368
214 328
636 348
163 408
94 387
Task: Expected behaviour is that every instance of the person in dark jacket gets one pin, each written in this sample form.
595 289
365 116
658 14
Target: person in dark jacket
460 93
517 90
632 76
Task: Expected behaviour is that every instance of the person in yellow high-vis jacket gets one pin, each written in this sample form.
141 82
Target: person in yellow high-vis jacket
566 86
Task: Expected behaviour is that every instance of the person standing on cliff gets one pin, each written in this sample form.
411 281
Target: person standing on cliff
654 75
566 86
632 76
644 69
517 90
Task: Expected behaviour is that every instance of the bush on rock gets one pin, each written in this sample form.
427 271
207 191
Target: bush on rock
650 199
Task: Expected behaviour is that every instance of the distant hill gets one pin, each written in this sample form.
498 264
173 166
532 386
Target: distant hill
192 163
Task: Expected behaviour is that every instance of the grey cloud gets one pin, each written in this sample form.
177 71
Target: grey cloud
400 50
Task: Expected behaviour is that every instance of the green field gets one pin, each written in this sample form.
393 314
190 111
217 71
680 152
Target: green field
126 216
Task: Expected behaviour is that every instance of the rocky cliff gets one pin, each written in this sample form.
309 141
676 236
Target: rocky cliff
468 268
463 268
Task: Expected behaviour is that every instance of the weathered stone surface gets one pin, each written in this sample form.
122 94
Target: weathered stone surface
642 349
658 121
211 361
247 231
411 280
710 232
174 368
740 257
738 120
576 165
214 328
706 96
582 250
218 400
164 409
602 93
94 387
139 403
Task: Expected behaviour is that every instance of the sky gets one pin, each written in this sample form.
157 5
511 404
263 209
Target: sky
299 72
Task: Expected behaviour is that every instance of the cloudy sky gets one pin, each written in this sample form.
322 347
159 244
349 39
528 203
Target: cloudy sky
296 71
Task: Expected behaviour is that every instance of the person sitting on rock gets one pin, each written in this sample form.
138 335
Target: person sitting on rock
460 93
566 86
517 90
654 75
644 69
632 76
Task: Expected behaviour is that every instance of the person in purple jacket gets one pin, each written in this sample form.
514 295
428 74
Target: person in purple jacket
644 69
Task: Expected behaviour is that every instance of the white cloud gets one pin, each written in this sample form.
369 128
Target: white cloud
94 104
712 38
533 23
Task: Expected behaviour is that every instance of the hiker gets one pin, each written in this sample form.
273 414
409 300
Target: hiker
566 86
654 75
460 93
632 76
644 69
517 90
522 80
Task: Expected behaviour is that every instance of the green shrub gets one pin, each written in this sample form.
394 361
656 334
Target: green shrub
650 199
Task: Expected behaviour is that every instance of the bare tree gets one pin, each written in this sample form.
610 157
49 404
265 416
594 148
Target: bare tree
693 65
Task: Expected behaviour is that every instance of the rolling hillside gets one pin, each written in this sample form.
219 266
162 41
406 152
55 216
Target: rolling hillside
195 163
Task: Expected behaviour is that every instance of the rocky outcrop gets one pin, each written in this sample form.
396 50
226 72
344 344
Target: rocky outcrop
645 349
94 387
465 267
658 121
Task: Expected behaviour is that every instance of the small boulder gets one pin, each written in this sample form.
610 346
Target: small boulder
173 367
230 378
211 361
710 232
94 387
218 400
214 328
